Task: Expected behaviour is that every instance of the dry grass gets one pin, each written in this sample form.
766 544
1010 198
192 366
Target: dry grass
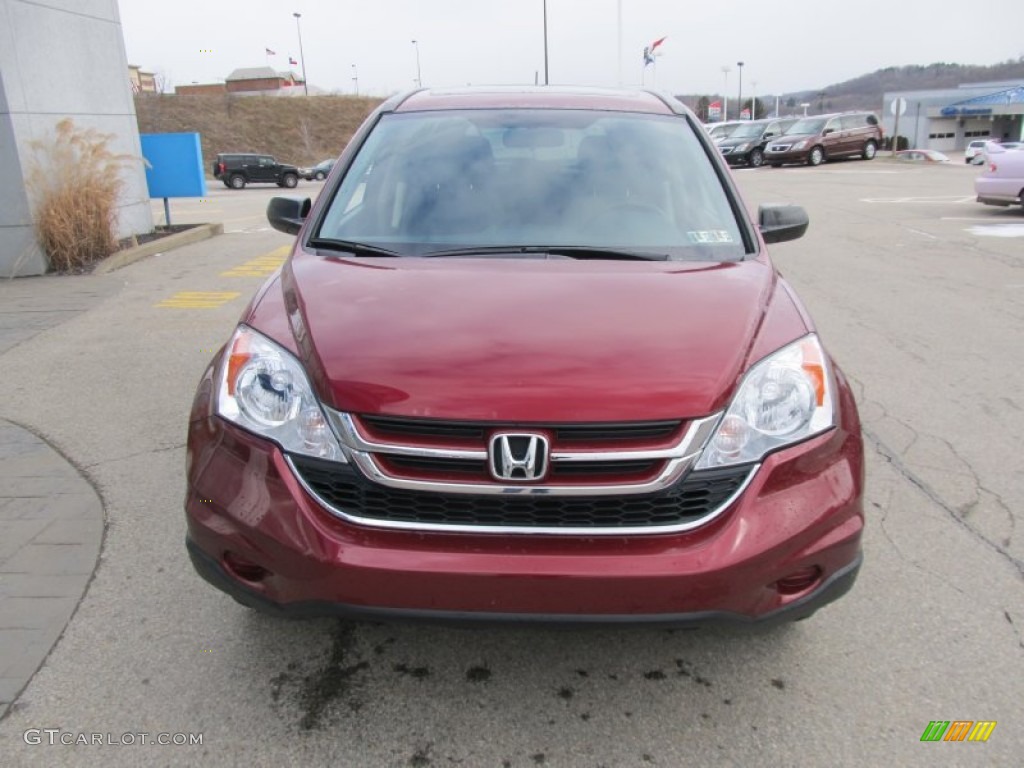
76 181
299 130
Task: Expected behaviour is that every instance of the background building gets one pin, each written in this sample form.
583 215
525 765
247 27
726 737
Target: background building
78 54
251 81
947 119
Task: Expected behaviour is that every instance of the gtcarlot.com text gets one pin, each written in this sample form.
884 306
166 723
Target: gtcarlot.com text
54 736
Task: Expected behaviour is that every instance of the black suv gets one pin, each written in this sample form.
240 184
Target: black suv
745 145
237 170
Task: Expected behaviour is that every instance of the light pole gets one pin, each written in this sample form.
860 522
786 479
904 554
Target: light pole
355 78
740 107
753 100
419 73
545 42
725 94
302 56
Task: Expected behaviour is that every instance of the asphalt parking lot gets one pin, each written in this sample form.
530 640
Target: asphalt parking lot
917 290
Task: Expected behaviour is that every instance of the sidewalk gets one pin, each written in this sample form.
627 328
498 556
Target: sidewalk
51 519
51 529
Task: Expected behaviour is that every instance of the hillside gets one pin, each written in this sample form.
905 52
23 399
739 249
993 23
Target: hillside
866 91
296 130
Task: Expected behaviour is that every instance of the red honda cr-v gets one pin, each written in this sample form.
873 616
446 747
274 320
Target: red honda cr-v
528 360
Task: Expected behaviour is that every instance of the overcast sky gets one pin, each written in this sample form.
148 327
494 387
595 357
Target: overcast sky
786 45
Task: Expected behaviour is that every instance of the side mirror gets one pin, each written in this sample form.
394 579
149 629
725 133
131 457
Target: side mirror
780 222
828 131
288 214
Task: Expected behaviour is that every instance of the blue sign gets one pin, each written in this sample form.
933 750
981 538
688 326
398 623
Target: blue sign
174 164
953 111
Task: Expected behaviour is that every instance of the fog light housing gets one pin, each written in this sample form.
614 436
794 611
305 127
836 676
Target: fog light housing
243 569
798 581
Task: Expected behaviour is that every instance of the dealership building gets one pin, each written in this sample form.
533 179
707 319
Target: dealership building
949 118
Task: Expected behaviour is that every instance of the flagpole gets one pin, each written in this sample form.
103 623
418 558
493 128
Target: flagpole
620 43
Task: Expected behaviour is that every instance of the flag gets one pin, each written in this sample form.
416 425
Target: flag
293 62
651 51
270 52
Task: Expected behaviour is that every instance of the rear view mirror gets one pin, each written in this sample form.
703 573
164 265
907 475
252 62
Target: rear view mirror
288 214
780 222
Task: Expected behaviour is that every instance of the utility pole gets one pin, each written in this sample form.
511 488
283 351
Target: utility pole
419 72
739 107
725 94
545 42
302 56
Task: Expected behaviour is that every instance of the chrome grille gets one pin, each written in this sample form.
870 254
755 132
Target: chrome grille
585 459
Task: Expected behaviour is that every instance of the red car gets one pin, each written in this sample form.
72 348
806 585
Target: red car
528 360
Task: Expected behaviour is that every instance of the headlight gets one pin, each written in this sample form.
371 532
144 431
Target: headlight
784 399
264 389
800 144
743 147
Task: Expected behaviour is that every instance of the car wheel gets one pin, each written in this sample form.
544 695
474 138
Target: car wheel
870 150
816 156
290 180
237 181
756 158
320 175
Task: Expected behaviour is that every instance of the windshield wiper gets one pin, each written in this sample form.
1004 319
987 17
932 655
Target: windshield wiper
351 246
571 251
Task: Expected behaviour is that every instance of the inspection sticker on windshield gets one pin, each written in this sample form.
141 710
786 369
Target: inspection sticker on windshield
710 236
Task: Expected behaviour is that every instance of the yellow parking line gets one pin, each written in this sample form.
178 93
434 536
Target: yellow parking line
198 300
261 266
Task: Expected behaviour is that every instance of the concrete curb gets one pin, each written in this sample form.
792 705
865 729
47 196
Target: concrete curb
162 245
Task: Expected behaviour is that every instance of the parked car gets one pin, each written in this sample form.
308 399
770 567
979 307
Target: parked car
528 359
975 152
718 131
317 172
237 170
1002 182
745 145
921 156
813 140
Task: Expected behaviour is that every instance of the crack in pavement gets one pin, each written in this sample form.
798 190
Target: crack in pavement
147 452
903 470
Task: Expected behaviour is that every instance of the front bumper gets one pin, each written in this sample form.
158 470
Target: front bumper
801 509
788 157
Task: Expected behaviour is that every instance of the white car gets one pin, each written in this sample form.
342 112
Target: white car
975 152
1002 183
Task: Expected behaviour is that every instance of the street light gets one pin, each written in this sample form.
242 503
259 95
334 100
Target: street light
355 78
753 100
419 73
725 94
545 42
302 56
740 65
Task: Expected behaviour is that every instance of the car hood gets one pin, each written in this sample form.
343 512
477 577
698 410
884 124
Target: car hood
734 142
791 138
521 340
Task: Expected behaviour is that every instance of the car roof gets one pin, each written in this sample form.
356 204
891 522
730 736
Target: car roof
536 97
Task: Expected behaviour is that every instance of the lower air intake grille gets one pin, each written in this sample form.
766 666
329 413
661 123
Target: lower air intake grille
694 498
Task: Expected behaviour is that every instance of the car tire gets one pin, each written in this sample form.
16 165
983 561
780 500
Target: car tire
816 156
756 158
289 180
870 150
320 176
237 181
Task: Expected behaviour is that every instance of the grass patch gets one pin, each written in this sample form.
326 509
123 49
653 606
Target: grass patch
76 182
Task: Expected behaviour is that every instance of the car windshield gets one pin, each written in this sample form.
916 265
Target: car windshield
748 131
807 125
722 131
534 179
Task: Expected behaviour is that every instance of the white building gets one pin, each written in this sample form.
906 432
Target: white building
947 119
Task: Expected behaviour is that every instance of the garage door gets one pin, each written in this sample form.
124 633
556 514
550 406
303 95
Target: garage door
942 134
